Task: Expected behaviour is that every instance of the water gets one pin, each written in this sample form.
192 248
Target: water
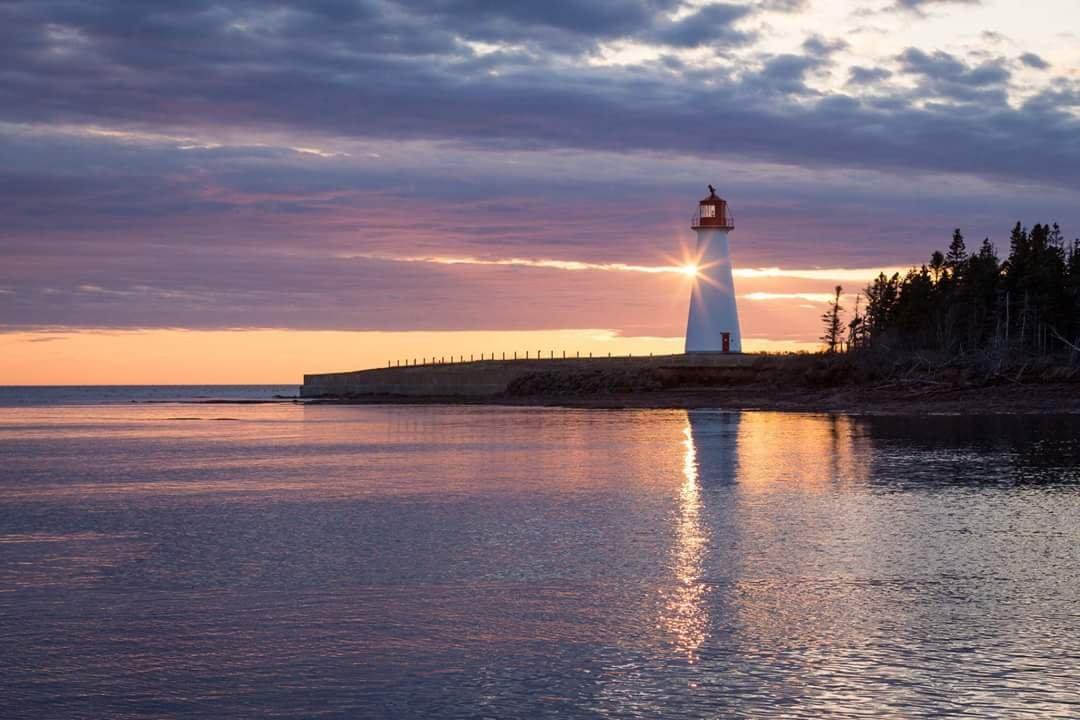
29 396
286 560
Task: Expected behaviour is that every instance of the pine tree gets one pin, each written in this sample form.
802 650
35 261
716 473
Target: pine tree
937 264
983 280
917 308
834 327
856 328
956 258
962 302
881 296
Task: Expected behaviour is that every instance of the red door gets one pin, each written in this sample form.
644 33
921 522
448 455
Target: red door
727 341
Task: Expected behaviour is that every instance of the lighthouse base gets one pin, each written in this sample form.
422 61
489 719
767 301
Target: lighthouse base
708 353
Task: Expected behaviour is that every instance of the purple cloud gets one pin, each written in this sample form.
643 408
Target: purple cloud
221 164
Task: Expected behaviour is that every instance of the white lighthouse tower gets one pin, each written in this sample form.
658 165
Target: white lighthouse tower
713 325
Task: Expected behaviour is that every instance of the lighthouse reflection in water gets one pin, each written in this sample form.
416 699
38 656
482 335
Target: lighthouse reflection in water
521 562
687 616
725 483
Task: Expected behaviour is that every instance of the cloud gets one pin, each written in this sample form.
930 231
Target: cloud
786 6
366 293
944 67
818 46
222 164
1032 60
786 74
820 298
921 6
407 72
944 76
712 24
594 18
397 72
859 75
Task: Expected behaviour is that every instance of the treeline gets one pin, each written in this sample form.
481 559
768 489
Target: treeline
965 301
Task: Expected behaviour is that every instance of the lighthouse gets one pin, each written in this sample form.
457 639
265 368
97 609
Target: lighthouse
713 325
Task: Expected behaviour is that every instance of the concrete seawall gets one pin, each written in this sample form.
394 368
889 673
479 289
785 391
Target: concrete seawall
490 377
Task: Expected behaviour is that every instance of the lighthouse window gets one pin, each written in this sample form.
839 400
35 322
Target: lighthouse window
708 211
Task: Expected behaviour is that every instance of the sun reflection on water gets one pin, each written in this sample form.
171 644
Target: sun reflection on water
686 614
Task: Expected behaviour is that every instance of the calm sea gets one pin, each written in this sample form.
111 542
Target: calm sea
15 396
186 559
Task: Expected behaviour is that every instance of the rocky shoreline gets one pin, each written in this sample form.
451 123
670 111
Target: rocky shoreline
1020 399
786 383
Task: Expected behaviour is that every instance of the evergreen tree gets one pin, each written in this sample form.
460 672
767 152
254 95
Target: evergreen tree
916 308
983 280
937 264
956 259
960 301
856 328
833 336
881 297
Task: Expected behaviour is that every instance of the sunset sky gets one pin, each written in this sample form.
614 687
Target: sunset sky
242 191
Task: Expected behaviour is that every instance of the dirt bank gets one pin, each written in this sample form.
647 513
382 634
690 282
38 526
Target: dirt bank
1047 398
916 385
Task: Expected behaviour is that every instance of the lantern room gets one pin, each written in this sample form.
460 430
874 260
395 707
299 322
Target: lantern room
712 212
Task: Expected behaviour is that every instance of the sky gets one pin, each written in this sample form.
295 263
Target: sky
247 191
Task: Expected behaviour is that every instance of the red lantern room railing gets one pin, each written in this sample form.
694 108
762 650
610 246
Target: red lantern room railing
712 212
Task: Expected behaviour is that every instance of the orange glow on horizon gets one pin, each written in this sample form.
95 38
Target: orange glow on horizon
149 357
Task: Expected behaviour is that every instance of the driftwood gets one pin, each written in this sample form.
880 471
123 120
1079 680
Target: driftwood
1062 339
1020 372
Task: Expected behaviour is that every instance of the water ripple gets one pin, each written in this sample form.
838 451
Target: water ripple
483 562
